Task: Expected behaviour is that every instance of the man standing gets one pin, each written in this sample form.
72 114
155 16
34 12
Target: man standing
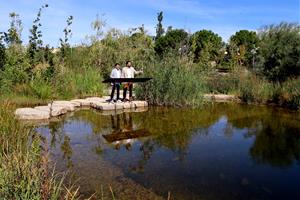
115 73
128 72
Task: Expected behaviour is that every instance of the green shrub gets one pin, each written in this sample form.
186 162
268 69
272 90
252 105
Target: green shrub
75 83
173 83
222 83
291 93
279 51
41 88
255 89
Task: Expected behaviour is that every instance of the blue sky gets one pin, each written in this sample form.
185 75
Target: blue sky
222 17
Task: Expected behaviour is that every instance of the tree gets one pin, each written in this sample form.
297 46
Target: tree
176 39
64 42
159 28
245 43
98 26
35 41
279 51
2 56
13 35
205 45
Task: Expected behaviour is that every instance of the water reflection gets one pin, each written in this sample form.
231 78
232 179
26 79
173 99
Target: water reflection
124 134
167 149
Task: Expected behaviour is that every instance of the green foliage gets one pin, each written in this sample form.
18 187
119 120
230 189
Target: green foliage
119 47
174 83
279 51
13 35
291 94
205 46
2 56
64 43
244 43
224 84
35 37
41 88
159 28
245 37
15 69
175 40
24 170
86 82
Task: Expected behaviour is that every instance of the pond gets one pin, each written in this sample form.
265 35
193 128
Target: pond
220 151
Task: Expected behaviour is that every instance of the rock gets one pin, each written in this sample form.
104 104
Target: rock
56 110
140 103
103 106
119 106
75 103
140 109
83 102
32 114
219 97
128 105
65 104
94 99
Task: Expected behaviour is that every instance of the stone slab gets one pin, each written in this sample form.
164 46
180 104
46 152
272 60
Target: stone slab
65 104
219 97
103 106
56 110
31 114
82 102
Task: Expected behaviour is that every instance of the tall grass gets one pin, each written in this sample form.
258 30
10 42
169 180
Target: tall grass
174 83
80 83
24 163
254 89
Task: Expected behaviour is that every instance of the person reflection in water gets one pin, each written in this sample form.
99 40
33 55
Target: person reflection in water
126 128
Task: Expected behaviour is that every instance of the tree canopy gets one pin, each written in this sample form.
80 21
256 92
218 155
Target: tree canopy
206 45
173 40
280 51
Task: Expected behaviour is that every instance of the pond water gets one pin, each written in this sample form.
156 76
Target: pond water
220 151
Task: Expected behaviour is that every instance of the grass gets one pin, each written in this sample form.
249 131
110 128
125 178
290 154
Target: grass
174 84
24 163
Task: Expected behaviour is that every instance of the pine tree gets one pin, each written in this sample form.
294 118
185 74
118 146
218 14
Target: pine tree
159 28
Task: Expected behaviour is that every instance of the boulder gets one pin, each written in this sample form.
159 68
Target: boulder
32 114
128 105
138 104
119 106
141 109
103 106
82 102
56 110
219 97
65 104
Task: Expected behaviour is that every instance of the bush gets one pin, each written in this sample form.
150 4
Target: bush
255 89
216 83
174 83
41 88
279 51
2 56
291 93
75 83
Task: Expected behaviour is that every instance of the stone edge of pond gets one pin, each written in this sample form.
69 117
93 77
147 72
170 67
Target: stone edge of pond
59 108
220 97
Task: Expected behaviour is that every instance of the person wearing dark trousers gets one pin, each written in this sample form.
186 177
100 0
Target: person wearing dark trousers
115 73
128 72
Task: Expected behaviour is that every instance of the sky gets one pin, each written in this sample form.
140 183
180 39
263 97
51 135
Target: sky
222 17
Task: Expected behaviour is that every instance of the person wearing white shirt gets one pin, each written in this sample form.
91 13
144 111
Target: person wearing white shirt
128 72
115 73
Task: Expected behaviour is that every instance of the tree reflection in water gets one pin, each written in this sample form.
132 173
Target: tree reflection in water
276 133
